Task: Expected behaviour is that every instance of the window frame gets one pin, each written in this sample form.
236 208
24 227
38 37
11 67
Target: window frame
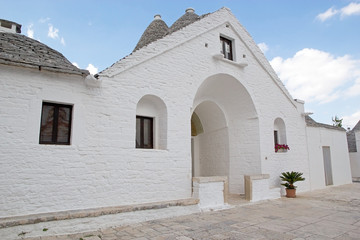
151 133
223 41
55 125
276 137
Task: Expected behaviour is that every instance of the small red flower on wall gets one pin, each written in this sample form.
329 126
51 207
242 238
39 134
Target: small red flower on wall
281 146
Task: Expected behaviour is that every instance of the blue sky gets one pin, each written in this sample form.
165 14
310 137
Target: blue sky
314 46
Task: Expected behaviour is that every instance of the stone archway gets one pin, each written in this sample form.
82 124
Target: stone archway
230 142
210 141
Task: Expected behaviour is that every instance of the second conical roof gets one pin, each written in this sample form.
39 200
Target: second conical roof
156 30
189 17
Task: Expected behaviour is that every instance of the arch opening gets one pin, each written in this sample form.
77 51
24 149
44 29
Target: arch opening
230 142
210 141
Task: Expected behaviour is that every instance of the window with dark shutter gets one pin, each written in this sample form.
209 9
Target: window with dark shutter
144 132
226 48
55 124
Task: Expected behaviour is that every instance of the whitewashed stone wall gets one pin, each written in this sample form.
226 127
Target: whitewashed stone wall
101 167
355 158
340 163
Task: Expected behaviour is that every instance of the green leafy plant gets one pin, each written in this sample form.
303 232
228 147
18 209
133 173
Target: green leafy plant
290 178
337 122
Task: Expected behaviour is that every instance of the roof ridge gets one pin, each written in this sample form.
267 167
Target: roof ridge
312 123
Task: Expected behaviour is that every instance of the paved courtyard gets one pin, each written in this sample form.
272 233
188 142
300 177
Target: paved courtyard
332 213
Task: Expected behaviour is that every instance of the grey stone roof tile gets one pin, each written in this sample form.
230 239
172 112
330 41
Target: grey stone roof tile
156 30
351 138
312 123
189 17
19 50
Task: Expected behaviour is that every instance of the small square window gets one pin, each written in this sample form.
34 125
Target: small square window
55 124
144 132
226 48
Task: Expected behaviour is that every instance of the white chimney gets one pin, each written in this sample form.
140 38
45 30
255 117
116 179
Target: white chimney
8 26
157 17
189 10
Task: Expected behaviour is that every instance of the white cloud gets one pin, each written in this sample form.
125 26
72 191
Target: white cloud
263 47
53 32
327 14
352 120
92 69
317 76
351 9
62 41
30 31
44 20
75 64
354 90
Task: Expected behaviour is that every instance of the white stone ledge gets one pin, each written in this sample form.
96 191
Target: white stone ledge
258 176
210 179
220 57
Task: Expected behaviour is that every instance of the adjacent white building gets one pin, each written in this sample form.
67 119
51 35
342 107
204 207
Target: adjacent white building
353 138
196 99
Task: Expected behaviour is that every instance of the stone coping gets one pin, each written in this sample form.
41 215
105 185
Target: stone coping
93 212
210 179
257 176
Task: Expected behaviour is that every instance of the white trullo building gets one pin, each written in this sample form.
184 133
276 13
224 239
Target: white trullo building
353 138
197 99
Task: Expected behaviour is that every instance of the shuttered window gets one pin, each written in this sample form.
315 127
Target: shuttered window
55 124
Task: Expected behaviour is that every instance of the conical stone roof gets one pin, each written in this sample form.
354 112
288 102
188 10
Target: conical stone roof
17 49
156 30
189 17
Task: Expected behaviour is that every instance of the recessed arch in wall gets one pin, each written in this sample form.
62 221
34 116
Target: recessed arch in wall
153 107
279 131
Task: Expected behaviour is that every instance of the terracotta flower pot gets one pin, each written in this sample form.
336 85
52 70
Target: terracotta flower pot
290 193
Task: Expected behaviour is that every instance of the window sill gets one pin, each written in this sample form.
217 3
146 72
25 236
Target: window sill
281 151
220 57
151 149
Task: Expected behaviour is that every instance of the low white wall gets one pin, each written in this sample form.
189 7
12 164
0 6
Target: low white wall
257 188
318 137
211 191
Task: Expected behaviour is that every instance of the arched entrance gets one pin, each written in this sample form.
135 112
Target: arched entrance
210 141
225 131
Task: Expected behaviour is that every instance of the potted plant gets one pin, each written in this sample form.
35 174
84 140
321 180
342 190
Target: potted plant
290 178
281 147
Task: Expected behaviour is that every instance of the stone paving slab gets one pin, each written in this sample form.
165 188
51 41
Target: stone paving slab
331 213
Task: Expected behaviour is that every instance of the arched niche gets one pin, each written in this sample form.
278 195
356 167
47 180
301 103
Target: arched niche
153 108
279 131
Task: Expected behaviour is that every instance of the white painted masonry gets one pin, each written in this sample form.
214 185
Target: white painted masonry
257 188
211 192
355 157
238 103
319 137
